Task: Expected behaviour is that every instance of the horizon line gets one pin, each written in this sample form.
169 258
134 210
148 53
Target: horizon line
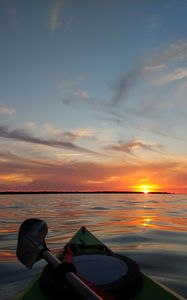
83 192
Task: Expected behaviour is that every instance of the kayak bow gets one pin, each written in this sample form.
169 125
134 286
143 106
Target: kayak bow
101 272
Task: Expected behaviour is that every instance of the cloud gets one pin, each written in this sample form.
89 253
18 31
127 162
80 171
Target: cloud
82 94
149 104
55 14
176 50
176 74
120 89
76 135
131 146
5 110
22 135
14 179
172 53
72 175
72 91
70 136
124 84
154 67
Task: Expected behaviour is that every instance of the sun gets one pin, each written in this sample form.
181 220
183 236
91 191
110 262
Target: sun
145 191
145 188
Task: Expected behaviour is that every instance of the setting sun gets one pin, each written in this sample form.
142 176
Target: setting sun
146 188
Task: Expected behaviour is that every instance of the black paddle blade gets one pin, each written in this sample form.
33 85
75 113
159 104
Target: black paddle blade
31 241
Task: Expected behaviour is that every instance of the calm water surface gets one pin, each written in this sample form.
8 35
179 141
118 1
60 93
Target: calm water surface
151 229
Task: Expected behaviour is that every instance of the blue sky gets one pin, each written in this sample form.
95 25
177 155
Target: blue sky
93 94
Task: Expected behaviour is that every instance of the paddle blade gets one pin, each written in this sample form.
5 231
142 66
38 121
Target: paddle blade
31 241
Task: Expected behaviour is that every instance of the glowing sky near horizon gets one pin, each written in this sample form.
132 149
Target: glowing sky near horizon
93 95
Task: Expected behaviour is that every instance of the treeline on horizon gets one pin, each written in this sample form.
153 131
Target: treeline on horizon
78 192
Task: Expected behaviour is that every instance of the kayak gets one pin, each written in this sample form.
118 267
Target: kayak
116 275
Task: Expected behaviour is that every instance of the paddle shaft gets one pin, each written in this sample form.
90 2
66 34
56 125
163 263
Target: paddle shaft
74 281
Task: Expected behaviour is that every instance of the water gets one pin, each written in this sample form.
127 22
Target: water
151 229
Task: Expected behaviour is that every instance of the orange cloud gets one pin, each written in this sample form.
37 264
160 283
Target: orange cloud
71 175
13 178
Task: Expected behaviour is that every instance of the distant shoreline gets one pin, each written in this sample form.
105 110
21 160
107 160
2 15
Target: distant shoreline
77 192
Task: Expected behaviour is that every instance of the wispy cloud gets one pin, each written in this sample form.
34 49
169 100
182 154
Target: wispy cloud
23 135
172 53
124 84
176 50
154 67
5 110
176 74
70 136
151 104
131 146
82 94
120 89
158 62
55 14
77 135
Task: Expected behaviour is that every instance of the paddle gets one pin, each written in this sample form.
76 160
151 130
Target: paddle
32 247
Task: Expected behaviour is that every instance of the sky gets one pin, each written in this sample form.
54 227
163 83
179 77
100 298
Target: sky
93 95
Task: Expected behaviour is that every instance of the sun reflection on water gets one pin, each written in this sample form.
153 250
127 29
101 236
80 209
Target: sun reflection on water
146 222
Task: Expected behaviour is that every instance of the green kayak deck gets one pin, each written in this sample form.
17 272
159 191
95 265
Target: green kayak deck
150 289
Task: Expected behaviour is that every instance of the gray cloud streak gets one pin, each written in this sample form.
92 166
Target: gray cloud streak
125 83
22 135
121 87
